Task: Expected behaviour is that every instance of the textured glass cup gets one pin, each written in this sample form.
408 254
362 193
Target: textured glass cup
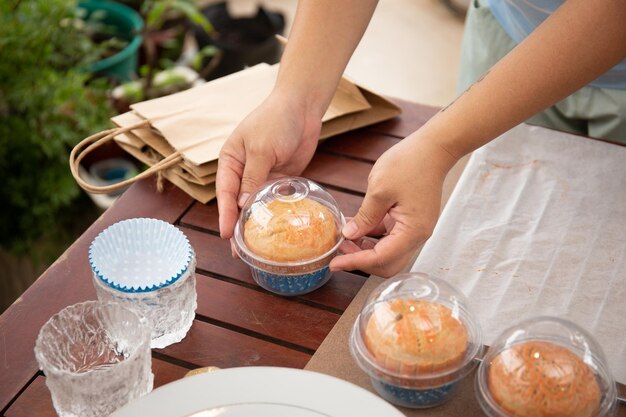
96 358
148 265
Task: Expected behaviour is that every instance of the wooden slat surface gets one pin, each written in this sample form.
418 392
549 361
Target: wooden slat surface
264 313
336 171
361 144
210 345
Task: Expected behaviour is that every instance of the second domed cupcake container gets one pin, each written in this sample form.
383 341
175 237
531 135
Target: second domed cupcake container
412 387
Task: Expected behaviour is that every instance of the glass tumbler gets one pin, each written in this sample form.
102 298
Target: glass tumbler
148 265
96 358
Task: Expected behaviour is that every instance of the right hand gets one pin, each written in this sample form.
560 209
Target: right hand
402 202
277 139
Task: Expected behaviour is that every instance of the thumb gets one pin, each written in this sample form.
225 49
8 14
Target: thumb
371 213
255 173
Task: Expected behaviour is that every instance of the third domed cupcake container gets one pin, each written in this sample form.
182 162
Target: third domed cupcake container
292 276
545 366
409 385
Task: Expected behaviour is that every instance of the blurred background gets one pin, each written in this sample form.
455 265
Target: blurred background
66 67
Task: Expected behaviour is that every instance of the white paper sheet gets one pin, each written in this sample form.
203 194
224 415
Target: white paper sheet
537 226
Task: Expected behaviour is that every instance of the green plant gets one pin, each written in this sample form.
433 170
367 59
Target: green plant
106 36
47 104
156 14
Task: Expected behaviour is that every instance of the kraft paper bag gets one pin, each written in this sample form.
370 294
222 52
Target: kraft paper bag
148 140
182 134
130 139
198 121
202 193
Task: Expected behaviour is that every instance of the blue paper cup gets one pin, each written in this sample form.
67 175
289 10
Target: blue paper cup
291 284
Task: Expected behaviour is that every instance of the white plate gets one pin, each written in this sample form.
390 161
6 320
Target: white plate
259 392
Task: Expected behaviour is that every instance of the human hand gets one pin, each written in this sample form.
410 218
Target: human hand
402 203
275 140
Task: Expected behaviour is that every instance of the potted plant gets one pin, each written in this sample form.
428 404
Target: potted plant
118 29
171 63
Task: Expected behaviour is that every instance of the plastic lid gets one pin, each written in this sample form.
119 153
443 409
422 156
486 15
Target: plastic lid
415 330
545 366
290 222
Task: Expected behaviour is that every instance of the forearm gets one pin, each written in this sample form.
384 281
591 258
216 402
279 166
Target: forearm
578 43
324 36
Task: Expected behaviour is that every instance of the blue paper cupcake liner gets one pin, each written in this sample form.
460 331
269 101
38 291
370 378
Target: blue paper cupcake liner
291 284
414 397
140 255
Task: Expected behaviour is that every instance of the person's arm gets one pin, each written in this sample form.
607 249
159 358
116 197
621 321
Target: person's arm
579 42
280 136
325 33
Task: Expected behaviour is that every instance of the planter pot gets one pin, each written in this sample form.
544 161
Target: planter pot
107 165
128 24
243 41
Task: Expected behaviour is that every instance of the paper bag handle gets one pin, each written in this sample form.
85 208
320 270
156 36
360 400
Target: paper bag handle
99 139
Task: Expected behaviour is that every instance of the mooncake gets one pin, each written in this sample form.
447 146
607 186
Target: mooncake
412 337
543 379
290 231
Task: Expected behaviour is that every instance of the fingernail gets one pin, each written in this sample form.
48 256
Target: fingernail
242 199
350 229
333 267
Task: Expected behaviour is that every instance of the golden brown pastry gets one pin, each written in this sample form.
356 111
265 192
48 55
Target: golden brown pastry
290 231
542 379
414 337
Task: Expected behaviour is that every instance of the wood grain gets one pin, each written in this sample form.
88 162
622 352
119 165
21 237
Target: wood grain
210 345
263 314
360 144
336 171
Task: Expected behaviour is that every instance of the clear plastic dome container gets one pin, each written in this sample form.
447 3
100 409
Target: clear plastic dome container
545 366
416 339
288 232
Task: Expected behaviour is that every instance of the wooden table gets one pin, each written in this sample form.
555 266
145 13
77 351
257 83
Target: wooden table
237 323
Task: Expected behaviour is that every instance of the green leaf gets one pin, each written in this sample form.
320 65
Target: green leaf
193 14
208 51
46 107
156 13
